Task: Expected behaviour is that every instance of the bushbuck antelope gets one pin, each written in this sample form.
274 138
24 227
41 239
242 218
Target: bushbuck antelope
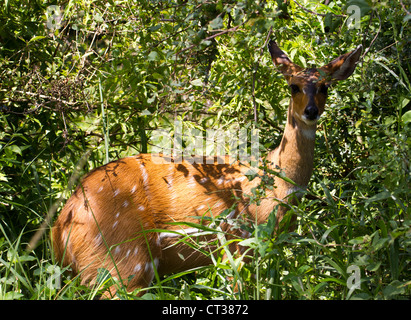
124 216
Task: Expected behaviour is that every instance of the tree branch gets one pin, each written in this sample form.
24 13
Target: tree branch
255 72
318 14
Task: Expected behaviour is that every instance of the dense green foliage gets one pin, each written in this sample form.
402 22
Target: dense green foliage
96 78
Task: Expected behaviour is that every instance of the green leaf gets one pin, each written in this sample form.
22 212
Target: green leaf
145 112
103 276
303 61
217 23
11 295
380 243
362 4
15 149
406 117
339 281
321 286
197 83
250 242
36 38
325 235
374 266
336 266
378 197
13 257
394 289
153 56
3 177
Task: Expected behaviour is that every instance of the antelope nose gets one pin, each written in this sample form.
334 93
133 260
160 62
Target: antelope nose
311 112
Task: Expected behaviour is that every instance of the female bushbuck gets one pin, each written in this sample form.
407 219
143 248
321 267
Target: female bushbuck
123 215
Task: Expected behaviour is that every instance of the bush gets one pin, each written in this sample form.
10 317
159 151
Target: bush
93 80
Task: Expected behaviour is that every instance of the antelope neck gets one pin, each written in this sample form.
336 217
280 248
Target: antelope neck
303 130
296 151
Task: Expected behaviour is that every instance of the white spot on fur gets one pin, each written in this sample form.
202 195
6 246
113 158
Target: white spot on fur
117 214
245 234
100 189
170 182
128 253
204 180
115 224
64 237
144 175
125 204
134 189
231 214
170 176
171 169
98 240
116 192
135 251
137 268
140 207
220 180
192 182
219 204
117 250
203 206
149 267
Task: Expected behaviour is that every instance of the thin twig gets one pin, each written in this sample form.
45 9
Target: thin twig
405 9
52 210
375 37
318 14
212 37
255 72
46 97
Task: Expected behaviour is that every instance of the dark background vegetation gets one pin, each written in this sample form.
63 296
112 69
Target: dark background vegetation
98 82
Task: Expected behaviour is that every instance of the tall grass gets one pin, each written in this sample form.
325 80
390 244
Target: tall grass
359 220
312 263
56 87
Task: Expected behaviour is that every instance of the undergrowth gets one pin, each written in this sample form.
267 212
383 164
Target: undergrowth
114 72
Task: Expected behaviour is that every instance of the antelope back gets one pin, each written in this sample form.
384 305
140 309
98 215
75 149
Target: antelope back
123 215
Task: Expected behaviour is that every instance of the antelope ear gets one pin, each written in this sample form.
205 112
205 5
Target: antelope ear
342 67
280 59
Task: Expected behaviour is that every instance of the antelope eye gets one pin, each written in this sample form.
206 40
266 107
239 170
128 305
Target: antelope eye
323 89
294 89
